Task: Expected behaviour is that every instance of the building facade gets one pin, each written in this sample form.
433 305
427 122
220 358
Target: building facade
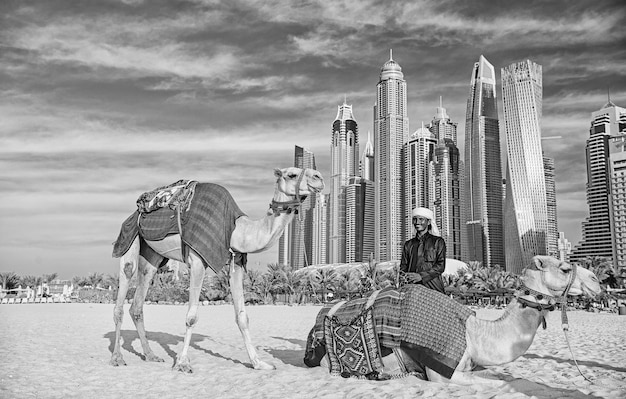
617 162
598 230
320 238
526 207
483 238
391 131
447 183
419 173
344 157
301 227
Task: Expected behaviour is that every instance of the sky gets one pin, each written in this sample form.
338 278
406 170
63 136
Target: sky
102 100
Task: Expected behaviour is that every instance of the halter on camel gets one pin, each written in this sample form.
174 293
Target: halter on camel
293 205
551 305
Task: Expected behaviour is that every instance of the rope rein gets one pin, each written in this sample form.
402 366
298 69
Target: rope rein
290 206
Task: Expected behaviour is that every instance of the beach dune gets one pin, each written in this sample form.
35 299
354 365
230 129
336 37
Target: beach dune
63 351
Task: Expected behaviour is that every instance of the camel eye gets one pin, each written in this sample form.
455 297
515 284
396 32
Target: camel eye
292 175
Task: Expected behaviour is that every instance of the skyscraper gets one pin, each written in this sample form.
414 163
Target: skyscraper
598 230
367 160
368 189
301 227
320 213
527 222
483 170
553 227
344 153
391 131
617 159
419 174
447 189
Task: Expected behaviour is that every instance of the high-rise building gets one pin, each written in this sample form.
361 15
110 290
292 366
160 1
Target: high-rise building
483 171
617 158
553 227
564 247
598 230
526 206
447 189
344 157
419 173
320 214
391 131
301 227
355 212
367 160
284 249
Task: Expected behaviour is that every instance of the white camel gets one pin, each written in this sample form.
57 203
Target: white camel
293 185
503 340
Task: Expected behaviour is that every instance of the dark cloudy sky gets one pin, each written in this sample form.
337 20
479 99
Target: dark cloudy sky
102 100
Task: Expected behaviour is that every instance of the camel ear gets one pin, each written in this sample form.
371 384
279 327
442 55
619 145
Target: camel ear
538 262
277 172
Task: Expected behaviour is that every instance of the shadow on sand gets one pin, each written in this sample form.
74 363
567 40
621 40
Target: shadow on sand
580 362
166 341
292 357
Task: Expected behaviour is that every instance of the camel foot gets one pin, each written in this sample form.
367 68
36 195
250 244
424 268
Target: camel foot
151 357
117 360
261 365
183 365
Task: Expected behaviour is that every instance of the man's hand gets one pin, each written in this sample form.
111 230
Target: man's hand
413 278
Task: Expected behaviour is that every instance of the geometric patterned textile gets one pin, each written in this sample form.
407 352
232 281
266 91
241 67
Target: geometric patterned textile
207 223
434 325
352 347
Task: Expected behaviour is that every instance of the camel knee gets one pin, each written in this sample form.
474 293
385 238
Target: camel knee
118 314
129 269
192 319
136 313
241 319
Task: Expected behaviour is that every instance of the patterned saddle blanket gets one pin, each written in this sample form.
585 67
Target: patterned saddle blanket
207 219
426 323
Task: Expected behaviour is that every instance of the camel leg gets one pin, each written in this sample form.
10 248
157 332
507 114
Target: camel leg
128 267
147 260
196 276
237 292
463 376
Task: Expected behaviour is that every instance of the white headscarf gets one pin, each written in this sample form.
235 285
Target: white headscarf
428 214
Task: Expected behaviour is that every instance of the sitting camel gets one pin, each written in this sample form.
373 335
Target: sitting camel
293 185
482 342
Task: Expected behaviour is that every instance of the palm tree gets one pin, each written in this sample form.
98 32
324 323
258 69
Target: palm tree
95 279
30 281
277 275
291 283
326 280
603 268
9 280
347 281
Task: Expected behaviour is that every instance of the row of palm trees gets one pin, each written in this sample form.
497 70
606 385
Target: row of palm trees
285 284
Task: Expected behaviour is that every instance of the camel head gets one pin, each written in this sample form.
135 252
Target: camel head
290 182
555 275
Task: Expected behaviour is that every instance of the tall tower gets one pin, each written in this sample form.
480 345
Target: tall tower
447 190
419 172
483 170
344 153
553 227
301 227
598 230
391 131
320 213
526 207
367 160
617 160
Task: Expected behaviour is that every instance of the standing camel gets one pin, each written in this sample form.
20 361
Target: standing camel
293 185
545 282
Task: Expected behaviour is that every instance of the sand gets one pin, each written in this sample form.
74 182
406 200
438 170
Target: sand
63 351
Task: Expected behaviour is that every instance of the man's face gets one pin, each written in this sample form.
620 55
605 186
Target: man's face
421 223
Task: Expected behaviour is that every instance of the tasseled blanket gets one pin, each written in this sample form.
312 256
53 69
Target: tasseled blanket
207 225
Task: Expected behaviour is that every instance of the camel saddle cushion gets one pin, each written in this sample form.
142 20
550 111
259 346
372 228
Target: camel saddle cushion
429 325
207 222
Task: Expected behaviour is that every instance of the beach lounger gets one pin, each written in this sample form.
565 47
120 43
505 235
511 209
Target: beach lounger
5 300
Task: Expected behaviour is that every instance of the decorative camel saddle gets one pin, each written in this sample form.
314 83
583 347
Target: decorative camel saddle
203 214
356 334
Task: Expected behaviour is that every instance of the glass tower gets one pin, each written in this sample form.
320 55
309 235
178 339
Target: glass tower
391 131
599 236
344 157
527 213
483 171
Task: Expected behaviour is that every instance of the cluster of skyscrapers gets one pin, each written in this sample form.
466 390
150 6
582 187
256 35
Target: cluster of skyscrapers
481 215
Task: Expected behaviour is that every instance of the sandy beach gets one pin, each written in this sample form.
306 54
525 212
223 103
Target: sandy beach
63 351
